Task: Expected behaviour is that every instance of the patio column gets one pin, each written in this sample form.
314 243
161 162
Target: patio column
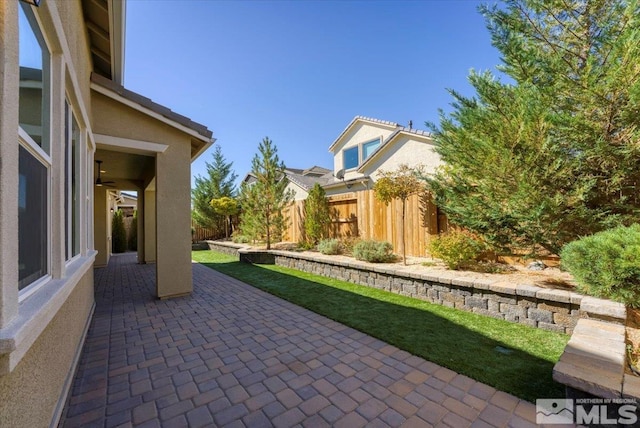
101 227
173 225
141 225
149 226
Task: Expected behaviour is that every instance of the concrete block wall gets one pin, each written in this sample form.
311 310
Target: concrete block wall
549 309
555 310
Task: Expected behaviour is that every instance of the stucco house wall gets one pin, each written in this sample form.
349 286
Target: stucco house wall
407 150
42 327
44 313
360 133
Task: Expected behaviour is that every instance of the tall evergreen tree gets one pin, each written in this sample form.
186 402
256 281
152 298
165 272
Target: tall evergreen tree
317 215
219 182
264 200
554 155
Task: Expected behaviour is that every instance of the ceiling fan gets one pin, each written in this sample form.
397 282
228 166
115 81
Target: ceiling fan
99 181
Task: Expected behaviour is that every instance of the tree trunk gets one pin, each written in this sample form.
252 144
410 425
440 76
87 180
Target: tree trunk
404 251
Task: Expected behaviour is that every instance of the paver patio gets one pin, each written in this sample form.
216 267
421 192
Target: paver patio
232 355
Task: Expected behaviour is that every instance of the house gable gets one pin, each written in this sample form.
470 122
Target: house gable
358 141
409 147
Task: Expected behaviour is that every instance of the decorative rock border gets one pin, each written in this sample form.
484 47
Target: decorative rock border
549 309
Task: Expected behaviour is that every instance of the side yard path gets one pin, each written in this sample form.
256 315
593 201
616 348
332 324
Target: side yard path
232 355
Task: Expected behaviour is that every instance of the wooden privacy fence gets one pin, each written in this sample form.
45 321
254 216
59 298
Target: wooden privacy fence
360 214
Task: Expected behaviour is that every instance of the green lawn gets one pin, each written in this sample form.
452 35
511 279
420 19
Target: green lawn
510 357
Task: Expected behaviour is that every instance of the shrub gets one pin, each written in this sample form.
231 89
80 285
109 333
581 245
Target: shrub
305 245
239 238
607 264
118 233
373 251
347 244
456 248
329 246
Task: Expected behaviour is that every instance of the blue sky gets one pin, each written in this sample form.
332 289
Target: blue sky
300 71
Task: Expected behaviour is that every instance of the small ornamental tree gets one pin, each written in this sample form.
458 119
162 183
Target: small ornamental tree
118 233
399 184
264 199
317 216
226 207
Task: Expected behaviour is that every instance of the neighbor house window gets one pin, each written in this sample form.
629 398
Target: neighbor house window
72 171
350 158
369 147
34 160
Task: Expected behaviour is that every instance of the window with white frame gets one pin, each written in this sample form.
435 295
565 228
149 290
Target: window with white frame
34 152
369 147
350 158
72 183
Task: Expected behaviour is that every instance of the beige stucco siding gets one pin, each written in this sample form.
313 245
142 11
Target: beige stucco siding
173 221
29 394
404 150
116 119
172 189
360 133
299 194
71 14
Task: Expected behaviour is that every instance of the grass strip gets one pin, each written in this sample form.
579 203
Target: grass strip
510 357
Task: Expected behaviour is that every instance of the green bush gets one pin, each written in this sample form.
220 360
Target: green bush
239 238
607 264
373 251
456 248
132 239
329 246
118 233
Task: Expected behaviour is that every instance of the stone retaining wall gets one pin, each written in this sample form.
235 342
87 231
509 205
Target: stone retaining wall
555 310
226 247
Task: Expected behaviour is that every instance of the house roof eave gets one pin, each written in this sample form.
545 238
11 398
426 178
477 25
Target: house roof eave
372 121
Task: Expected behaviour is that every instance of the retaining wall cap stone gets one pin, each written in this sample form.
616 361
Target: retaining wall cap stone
589 379
562 296
482 284
526 290
503 287
606 351
462 282
601 307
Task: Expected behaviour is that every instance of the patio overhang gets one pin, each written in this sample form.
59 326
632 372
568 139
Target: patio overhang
147 148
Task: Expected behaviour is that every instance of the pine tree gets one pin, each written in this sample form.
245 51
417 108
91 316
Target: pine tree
317 215
554 155
264 200
219 182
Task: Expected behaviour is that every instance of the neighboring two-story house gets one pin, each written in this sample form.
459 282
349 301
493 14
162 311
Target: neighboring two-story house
368 146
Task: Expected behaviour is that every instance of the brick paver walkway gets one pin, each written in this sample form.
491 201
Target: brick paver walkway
231 355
